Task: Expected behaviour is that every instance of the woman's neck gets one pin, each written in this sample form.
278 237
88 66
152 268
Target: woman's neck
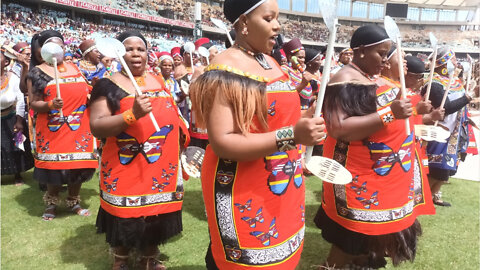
388 73
244 44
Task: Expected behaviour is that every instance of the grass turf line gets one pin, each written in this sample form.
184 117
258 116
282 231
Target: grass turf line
450 238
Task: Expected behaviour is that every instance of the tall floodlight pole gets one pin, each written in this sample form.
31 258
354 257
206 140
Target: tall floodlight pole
197 32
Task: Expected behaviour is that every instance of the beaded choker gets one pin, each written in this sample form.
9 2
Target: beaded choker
371 78
259 57
139 79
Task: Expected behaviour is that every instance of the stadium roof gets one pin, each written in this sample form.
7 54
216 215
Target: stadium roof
446 3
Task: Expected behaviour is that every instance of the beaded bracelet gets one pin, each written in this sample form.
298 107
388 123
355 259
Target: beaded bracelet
414 113
128 117
386 115
285 139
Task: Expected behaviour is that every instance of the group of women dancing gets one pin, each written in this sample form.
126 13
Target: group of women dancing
257 114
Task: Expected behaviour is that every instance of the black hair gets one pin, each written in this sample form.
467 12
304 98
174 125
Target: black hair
355 99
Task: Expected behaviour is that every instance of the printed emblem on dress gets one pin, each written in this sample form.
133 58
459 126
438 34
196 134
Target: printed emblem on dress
151 149
271 109
233 252
224 178
385 157
387 97
73 121
282 171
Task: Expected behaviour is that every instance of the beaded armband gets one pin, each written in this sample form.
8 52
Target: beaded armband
128 117
386 115
285 139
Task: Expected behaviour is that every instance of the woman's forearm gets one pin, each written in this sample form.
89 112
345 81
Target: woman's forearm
355 128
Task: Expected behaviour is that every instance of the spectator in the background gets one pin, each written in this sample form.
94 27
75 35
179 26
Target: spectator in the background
20 67
68 57
90 65
177 57
344 58
16 153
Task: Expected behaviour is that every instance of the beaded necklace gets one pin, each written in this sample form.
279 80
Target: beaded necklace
139 79
371 78
259 57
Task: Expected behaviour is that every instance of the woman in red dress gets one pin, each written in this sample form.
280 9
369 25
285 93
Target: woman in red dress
252 179
375 215
141 185
64 145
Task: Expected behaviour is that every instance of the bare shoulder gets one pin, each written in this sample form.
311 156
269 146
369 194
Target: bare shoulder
237 59
348 74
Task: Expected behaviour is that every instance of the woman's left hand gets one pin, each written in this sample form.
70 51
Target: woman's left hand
18 127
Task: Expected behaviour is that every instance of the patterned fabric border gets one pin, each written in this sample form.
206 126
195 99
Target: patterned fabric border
224 180
67 80
65 157
374 216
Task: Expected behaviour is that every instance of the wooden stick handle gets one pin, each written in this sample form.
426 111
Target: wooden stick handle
430 77
324 82
402 79
57 84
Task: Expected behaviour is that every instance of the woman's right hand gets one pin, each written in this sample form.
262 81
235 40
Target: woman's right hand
401 108
309 131
438 114
57 103
141 106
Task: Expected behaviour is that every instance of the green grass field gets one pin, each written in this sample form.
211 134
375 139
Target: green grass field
450 239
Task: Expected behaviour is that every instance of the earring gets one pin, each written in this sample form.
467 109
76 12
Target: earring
362 55
444 71
245 31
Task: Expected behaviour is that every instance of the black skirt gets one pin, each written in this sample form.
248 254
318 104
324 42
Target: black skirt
14 160
138 232
400 246
62 177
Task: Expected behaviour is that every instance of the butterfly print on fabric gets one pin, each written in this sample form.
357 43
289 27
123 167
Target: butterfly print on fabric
265 237
242 207
133 201
106 174
111 186
166 175
271 110
385 158
158 185
151 149
55 121
252 221
45 147
367 203
411 191
283 170
303 213
172 167
358 188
